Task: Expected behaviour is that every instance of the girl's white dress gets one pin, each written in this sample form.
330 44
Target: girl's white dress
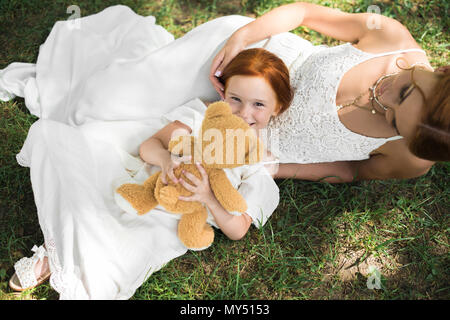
86 143
100 87
96 249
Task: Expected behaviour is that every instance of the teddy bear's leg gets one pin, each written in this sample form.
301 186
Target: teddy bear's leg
168 196
194 232
141 197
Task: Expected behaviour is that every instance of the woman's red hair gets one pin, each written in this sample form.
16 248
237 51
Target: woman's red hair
431 139
262 63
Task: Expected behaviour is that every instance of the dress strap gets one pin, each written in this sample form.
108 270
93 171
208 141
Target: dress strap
394 138
398 51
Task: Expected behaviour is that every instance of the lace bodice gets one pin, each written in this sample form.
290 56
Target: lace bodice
310 130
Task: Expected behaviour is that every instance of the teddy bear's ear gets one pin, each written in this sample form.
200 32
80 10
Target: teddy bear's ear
182 145
217 109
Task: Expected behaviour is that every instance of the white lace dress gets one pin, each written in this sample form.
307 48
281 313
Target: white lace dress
310 130
100 90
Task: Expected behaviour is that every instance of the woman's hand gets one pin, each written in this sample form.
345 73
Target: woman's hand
200 187
232 47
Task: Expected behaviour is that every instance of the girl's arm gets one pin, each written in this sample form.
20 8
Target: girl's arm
234 227
154 149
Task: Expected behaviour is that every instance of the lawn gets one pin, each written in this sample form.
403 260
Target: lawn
323 241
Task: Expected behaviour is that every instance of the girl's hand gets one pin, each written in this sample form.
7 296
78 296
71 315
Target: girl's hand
200 187
232 47
171 164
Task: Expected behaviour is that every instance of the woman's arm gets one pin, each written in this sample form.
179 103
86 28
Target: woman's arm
328 21
383 167
350 27
331 172
377 167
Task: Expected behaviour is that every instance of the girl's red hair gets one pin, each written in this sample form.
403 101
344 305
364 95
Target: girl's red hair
262 63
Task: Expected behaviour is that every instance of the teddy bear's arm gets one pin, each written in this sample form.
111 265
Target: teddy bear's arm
226 194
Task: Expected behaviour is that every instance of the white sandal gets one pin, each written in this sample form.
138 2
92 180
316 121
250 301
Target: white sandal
25 277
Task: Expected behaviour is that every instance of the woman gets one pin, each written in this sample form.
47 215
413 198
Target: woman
374 119
333 106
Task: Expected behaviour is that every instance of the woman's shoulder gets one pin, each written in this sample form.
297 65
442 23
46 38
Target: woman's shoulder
386 34
398 157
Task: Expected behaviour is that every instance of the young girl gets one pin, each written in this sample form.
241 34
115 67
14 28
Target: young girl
108 254
257 88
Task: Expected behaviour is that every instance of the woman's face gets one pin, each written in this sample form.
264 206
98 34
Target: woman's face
404 100
251 98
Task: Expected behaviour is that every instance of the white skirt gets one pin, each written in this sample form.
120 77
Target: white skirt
98 89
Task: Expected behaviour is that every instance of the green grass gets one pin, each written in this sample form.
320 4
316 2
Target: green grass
322 238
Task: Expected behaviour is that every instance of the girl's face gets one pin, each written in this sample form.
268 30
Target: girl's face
253 99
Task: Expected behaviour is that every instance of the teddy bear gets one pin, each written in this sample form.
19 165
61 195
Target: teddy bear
224 141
